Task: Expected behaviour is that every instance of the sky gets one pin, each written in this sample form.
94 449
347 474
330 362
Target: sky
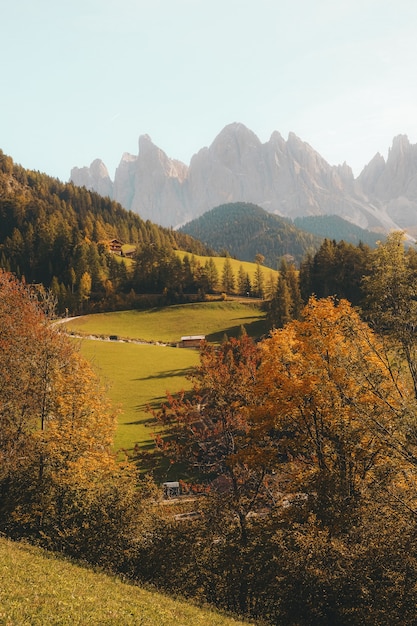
83 79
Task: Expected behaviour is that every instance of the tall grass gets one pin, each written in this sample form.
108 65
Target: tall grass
40 589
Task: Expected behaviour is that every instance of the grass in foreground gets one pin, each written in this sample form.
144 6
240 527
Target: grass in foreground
169 324
40 589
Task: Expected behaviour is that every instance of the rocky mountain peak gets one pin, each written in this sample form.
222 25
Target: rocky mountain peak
95 178
400 147
233 142
288 178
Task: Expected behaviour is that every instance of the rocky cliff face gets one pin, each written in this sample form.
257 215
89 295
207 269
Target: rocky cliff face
95 177
287 178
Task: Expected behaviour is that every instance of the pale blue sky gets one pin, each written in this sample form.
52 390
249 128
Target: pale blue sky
82 79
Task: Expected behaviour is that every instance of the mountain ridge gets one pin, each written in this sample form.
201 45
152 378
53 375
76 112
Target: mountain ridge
244 230
285 177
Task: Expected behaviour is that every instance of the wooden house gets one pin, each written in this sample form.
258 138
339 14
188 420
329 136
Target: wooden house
115 246
191 341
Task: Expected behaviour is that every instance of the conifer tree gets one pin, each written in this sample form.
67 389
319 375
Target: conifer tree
241 281
228 279
212 274
281 305
259 281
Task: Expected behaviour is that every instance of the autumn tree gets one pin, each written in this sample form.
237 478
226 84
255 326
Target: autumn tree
391 298
335 406
308 450
56 437
211 434
210 429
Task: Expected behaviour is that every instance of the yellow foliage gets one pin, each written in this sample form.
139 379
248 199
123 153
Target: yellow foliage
329 392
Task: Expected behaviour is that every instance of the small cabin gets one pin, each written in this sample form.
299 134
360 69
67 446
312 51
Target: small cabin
115 246
191 341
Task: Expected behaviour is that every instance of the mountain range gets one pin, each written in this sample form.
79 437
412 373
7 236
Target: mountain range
285 177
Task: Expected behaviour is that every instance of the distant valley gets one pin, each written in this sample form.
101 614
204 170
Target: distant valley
287 178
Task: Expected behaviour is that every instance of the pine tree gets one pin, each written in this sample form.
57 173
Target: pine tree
241 281
281 306
258 281
228 279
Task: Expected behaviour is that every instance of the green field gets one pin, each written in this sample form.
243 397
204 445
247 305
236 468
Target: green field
40 589
138 376
169 324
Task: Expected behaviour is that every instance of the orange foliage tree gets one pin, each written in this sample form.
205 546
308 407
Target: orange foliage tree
56 435
336 406
211 433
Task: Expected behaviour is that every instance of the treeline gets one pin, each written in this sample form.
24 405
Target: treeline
299 453
336 269
57 234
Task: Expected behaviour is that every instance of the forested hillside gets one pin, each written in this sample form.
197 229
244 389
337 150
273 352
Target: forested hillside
245 230
334 227
58 235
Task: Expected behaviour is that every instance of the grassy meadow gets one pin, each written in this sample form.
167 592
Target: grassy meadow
169 324
40 589
248 267
139 375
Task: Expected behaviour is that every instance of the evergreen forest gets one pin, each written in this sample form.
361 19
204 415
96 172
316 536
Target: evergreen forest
244 230
57 235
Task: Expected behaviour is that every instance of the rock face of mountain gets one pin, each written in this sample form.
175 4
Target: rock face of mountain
287 178
95 178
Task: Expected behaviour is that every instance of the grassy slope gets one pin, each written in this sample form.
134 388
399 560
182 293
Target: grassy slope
168 324
249 268
39 589
139 375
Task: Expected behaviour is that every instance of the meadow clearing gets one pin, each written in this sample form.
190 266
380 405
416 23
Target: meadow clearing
139 375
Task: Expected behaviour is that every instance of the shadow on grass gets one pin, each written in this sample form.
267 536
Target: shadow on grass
167 374
255 329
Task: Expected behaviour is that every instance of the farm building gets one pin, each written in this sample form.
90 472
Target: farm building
191 341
